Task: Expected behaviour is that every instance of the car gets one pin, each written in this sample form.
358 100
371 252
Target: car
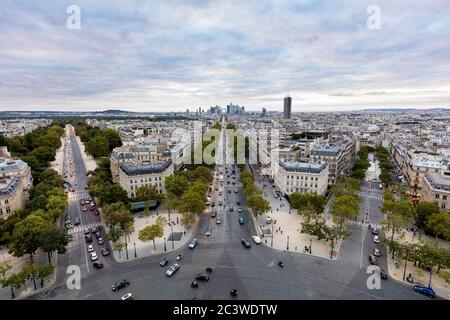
268 220
119 285
256 239
231 209
98 235
246 243
163 262
213 213
375 231
239 209
194 284
376 239
217 189
94 230
105 252
193 243
90 248
94 256
220 203
82 201
228 182
383 274
100 241
76 221
98 265
172 270
218 220
235 190
87 201
229 191
238 202
128 296
428 291
241 220
376 252
220 193
373 260
84 209
87 231
201 277
213 204
96 212
88 238
233 183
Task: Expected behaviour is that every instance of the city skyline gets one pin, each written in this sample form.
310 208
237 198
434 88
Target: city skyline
156 57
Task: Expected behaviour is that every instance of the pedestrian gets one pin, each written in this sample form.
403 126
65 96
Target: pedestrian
281 231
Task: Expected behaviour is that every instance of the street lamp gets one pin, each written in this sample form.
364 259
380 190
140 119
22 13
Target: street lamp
429 281
165 248
287 247
126 249
271 240
310 246
173 245
135 254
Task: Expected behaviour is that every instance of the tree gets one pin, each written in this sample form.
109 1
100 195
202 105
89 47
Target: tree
98 147
146 212
54 239
14 281
150 233
112 137
27 238
439 224
44 271
192 202
113 212
345 207
333 234
110 193
176 185
258 204
301 200
147 193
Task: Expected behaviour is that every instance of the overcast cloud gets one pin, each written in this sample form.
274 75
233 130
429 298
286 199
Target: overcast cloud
174 55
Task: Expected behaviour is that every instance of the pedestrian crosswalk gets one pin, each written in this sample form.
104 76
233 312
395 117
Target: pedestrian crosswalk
359 222
371 196
83 227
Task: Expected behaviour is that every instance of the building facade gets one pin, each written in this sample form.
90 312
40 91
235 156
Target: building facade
436 188
287 107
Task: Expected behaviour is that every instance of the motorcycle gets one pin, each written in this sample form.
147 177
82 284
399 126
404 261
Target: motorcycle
233 293
281 264
179 257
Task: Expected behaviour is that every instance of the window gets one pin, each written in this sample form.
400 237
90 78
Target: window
6 201
444 197
8 210
436 196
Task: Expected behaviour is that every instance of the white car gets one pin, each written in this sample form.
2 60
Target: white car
256 239
193 243
94 256
239 209
90 248
173 268
128 296
376 239
235 190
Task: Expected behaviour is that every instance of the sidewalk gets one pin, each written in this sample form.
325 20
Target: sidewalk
145 249
89 162
57 164
420 276
286 228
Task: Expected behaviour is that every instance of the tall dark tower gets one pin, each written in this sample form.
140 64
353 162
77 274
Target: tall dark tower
287 107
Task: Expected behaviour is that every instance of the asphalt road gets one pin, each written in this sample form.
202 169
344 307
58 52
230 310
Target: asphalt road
253 272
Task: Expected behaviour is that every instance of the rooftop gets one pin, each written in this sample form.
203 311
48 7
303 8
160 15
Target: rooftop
308 167
131 169
8 185
438 181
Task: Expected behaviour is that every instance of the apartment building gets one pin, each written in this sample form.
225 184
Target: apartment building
436 188
133 176
297 176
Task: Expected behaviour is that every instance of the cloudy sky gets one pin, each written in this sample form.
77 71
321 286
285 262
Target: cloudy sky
145 55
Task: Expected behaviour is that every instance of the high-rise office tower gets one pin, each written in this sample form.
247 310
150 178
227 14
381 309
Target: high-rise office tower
287 107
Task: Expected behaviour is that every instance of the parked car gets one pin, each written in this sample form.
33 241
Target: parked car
90 248
383 274
201 277
239 209
376 252
193 243
172 270
241 220
373 260
94 256
100 241
94 230
88 238
238 202
213 214
208 231
213 204
218 220
105 252
128 296
425 290
119 285
76 221
375 231
98 235
98 265
256 239
87 231
376 239
231 209
246 243
163 262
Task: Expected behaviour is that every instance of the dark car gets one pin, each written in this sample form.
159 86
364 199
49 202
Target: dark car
383 274
76 221
98 265
213 214
212 204
119 285
425 290
94 230
88 238
201 277
105 252
246 243
231 209
100 241
373 260
241 220
98 235
238 202
87 231
375 231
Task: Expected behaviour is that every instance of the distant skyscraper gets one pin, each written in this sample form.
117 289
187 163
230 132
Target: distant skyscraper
187 112
287 107
264 111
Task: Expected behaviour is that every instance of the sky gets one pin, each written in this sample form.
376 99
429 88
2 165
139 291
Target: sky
145 55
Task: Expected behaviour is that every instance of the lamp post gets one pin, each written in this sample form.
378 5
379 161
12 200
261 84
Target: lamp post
310 246
287 247
429 281
135 254
165 248
126 249
173 245
271 240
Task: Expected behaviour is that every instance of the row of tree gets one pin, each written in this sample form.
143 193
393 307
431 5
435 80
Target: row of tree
385 164
253 195
37 148
433 220
362 164
98 142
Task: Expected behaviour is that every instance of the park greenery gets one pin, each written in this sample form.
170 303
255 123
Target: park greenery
98 143
153 231
362 164
253 195
432 220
